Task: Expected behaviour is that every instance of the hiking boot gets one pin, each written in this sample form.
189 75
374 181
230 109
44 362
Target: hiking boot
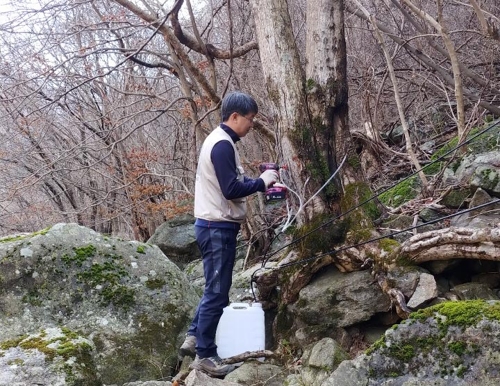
188 348
212 366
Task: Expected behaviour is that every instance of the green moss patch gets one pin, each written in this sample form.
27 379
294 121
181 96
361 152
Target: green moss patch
65 352
438 343
153 284
109 276
141 249
9 239
462 314
323 240
401 193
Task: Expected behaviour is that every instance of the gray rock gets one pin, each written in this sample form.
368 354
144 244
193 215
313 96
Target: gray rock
429 214
126 297
326 355
455 198
453 343
319 360
484 217
470 291
294 380
478 171
426 291
340 299
148 383
349 373
481 197
177 240
405 279
48 358
197 378
307 335
257 373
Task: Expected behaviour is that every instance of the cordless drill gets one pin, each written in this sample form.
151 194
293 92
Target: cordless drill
273 193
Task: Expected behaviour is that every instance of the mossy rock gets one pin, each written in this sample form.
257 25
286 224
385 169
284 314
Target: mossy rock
318 238
125 296
452 340
66 357
455 198
401 193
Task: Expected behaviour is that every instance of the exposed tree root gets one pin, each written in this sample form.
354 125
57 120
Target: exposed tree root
444 244
453 243
396 296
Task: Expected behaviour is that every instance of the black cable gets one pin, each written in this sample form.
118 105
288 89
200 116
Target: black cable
334 251
266 258
386 236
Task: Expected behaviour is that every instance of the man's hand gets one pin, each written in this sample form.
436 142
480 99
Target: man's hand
269 177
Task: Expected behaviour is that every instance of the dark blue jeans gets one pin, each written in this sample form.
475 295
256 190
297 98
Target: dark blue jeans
218 250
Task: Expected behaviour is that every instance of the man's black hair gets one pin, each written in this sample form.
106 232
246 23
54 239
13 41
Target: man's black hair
238 102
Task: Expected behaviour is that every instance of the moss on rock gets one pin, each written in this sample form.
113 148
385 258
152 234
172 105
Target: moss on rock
322 240
410 188
65 352
463 313
442 339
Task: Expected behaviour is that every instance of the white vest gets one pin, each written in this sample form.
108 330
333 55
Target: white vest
209 202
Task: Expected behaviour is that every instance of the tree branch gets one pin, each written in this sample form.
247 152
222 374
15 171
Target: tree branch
207 49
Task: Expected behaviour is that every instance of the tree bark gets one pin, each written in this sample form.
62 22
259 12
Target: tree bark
453 243
284 82
311 102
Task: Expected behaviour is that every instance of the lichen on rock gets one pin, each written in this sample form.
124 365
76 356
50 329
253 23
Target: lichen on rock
452 342
126 297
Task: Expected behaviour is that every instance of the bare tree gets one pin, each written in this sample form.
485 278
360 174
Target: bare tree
135 87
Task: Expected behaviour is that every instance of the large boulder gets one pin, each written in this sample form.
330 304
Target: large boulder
126 297
340 299
452 343
177 240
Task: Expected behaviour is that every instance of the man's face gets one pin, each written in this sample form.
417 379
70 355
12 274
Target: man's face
241 124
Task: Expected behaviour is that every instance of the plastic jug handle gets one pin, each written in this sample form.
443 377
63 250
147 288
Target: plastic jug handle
239 306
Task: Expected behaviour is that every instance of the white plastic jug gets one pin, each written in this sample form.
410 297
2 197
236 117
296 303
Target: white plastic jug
241 328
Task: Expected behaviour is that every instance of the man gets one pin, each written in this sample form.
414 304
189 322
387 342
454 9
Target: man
220 208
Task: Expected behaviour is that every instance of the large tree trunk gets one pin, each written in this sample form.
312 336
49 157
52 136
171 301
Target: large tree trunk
312 122
311 103
326 74
285 83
